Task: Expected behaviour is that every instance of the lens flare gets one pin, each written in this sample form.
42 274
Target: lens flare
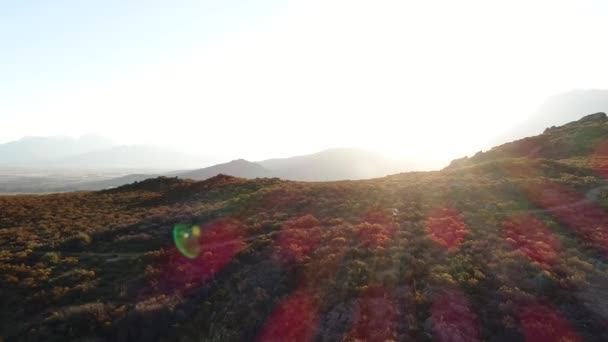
375 316
446 227
294 319
453 318
186 240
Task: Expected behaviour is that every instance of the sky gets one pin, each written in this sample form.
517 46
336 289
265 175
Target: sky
426 80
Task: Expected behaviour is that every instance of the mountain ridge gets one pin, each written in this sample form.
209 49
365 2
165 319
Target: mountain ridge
556 110
574 140
33 149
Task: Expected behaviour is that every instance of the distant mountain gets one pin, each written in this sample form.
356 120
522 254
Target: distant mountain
334 164
236 168
328 165
135 157
91 152
558 110
41 149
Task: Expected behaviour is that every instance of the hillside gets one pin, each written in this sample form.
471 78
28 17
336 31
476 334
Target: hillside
558 110
508 245
582 141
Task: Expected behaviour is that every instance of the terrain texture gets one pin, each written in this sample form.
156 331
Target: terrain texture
508 245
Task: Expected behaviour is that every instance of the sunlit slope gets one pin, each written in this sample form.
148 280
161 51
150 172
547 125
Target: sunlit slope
584 142
508 246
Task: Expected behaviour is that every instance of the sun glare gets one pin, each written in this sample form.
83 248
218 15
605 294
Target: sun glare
385 78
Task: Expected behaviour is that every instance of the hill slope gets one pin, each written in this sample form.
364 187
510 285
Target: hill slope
508 246
582 141
558 110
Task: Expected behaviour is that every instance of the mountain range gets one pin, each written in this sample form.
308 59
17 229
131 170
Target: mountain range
571 143
91 162
44 149
506 245
91 152
327 165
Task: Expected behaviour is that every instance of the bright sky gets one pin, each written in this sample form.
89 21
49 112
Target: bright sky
252 79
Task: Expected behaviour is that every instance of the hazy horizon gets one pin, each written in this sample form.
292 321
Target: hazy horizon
277 79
